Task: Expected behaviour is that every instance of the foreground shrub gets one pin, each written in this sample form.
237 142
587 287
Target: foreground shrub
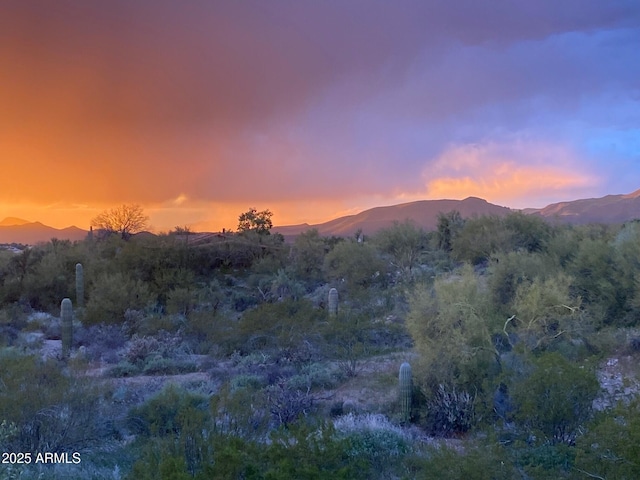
450 411
611 446
554 400
373 438
286 404
304 452
112 295
169 412
479 463
451 325
51 410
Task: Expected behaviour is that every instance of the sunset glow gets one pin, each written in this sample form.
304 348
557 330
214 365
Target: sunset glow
312 109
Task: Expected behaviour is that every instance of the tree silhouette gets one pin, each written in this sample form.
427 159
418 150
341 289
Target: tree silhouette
259 222
124 220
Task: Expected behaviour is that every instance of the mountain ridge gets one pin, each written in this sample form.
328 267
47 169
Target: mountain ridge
608 209
423 212
31 233
13 221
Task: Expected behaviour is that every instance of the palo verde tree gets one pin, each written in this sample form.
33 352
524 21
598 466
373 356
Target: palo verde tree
403 243
254 221
451 325
124 220
449 225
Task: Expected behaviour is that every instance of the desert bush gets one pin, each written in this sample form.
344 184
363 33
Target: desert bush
168 413
52 276
611 446
404 243
158 365
296 452
544 461
449 411
101 341
242 299
181 300
452 325
554 400
598 280
510 270
112 295
358 265
480 238
374 439
124 369
286 404
378 447
303 451
13 316
242 412
476 463
308 256
206 331
278 325
282 286
177 423
253 382
314 375
53 411
546 313
300 354
139 348
529 233
164 345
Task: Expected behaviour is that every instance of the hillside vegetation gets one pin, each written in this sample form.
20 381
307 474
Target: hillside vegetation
489 348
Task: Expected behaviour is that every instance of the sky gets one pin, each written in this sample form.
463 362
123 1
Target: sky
200 110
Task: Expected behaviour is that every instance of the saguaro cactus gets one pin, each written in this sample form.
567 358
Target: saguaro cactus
66 321
405 384
79 285
333 302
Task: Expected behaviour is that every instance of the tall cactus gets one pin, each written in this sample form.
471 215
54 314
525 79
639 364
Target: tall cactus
333 302
405 384
79 285
66 321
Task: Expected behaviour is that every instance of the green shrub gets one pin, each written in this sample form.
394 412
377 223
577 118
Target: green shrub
314 375
358 264
479 463
112 295
124 369
53 411
253 382
509 271
554 400
378 448
168 413
158 365
611 446
544 461
278 325
452 326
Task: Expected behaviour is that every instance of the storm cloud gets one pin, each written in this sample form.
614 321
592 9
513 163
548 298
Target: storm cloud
300 102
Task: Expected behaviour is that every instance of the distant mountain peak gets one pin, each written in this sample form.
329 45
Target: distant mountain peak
635 194
12 221
14 230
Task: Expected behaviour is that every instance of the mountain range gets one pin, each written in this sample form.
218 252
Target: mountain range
17 230
608 209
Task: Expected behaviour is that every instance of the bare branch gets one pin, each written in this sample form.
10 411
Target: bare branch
125 220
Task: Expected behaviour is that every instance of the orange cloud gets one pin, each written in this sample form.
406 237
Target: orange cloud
513 174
